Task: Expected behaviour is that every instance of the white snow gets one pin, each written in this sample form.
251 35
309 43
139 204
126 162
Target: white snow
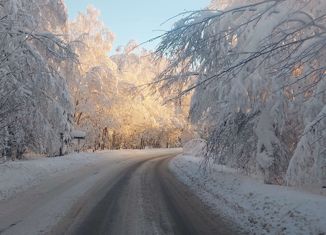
19 175
78 134
195 147
255 207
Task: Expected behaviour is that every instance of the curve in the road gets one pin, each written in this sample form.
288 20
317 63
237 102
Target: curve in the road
147 199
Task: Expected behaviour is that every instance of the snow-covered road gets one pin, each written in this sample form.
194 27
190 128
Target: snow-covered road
113 192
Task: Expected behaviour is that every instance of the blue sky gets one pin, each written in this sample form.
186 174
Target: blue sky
136 20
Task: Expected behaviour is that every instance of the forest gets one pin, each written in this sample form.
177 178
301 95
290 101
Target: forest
57 77
245 77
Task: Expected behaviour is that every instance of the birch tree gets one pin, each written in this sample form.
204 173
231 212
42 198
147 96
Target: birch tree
257 69
35 105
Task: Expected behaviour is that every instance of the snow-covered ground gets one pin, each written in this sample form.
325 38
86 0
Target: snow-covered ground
256 207
20 175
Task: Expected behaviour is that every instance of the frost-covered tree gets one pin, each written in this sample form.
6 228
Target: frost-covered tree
111 102
35 105
257 69
143 118
92 81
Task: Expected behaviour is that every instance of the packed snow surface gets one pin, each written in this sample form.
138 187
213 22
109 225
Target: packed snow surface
40 195
256 207
18 176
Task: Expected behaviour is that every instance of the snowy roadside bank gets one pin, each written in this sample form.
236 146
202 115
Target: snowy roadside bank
18 176
257 208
